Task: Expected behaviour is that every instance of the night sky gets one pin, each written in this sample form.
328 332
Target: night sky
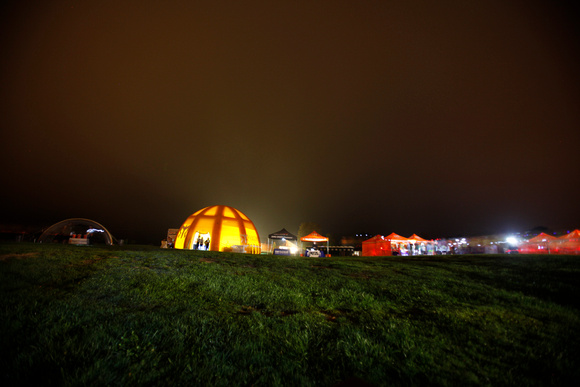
441 118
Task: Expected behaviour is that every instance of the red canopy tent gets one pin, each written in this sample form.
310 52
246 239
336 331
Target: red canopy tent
567 244
399 244
384 246
539 244
417 238
421 246
396 238
315 237
376 246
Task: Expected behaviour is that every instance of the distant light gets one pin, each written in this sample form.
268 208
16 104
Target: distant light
511 240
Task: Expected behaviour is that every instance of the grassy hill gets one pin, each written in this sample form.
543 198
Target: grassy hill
145 316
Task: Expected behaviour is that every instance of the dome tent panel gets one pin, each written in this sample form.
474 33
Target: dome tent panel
208 211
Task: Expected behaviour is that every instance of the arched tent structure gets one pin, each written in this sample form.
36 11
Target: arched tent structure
219 228
282 236
77 231
315 237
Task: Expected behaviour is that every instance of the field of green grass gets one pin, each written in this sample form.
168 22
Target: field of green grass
145 316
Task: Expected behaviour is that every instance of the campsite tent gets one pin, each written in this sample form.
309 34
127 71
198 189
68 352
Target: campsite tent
539 244
315 237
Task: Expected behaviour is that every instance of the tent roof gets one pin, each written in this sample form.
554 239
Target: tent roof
283 234
542 237
395 237
314 237
375 239
417 238
573 235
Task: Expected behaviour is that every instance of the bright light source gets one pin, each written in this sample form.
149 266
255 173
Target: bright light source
511 240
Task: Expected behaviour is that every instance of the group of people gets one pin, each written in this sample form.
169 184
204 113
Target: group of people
201 244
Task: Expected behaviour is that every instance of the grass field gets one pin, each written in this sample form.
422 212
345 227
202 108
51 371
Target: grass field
145 316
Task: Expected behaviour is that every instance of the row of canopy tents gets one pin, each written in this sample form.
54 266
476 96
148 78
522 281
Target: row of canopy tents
395 244
548 244
287 239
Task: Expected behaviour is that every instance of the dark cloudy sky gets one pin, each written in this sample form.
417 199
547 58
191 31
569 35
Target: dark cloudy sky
436 117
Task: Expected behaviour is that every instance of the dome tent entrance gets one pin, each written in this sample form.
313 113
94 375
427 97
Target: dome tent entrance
219 228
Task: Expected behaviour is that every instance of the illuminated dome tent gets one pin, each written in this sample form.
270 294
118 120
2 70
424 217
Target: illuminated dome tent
77 231
219 228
